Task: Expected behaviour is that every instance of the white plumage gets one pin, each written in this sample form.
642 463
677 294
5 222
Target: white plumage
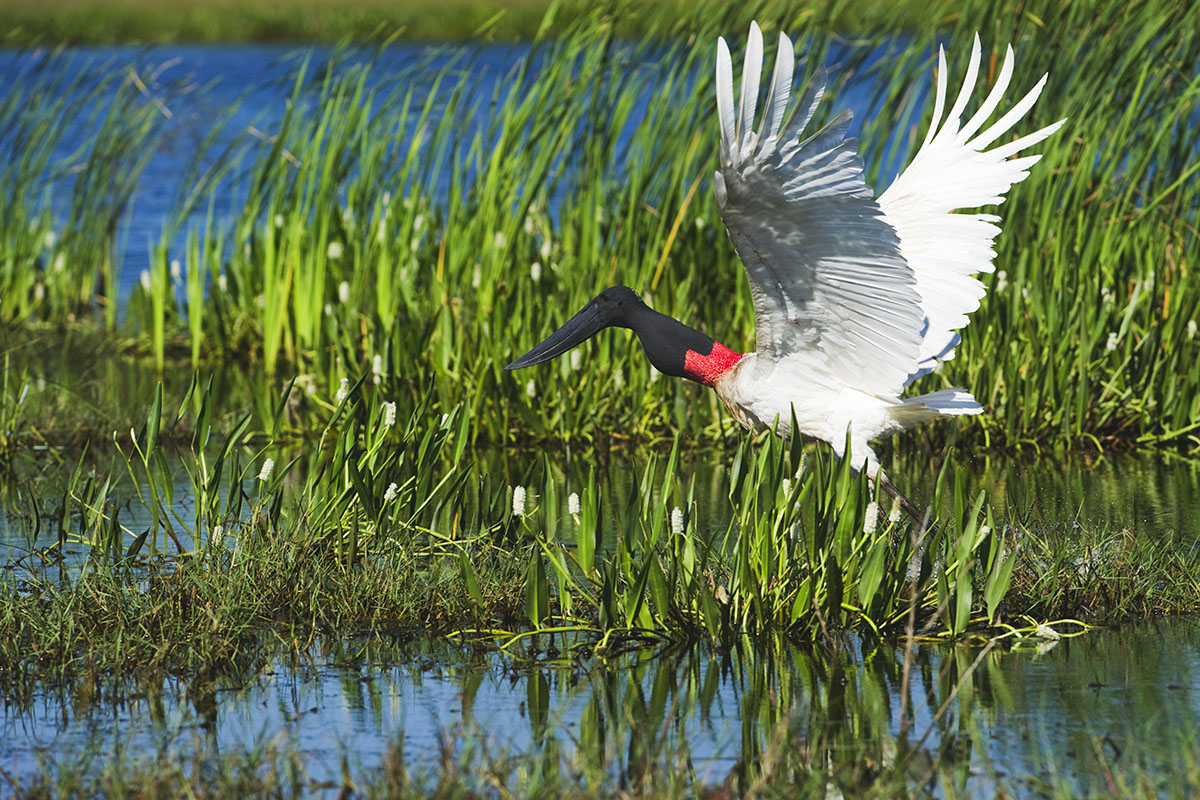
856 297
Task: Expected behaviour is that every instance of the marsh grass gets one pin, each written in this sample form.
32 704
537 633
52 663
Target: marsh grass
395 223
384 254
77 134
389 526
1105 574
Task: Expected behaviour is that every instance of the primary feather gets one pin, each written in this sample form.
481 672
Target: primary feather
953 171
828 280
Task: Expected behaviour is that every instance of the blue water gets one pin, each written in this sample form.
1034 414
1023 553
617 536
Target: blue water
1127 698
241 92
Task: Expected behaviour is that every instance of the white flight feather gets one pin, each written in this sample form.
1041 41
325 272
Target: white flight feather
777 97
725 98
751 72
953 171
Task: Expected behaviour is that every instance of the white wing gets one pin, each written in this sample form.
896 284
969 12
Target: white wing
828 280
952 171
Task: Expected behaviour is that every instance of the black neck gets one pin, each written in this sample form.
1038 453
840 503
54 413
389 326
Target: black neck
666 340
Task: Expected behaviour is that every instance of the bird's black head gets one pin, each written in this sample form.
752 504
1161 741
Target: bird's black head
617 306
620 304
672 347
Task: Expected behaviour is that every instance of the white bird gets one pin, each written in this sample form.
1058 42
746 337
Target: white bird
855 296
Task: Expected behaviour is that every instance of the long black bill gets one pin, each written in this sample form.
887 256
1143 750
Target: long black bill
591 319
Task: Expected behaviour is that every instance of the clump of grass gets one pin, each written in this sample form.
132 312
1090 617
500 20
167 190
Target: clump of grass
77 135
209 616
380 523
1105 576
14 390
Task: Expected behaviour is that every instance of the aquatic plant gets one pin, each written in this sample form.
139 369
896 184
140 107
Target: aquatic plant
391 221
800 556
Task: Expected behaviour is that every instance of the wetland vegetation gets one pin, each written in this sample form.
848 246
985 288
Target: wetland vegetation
89 22
277 414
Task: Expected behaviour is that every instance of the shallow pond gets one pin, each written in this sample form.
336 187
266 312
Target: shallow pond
1061 715
1058 713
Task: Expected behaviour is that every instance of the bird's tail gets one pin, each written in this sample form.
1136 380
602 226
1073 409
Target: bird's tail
944 402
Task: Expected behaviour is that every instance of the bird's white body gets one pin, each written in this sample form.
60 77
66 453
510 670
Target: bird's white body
766 395
856 297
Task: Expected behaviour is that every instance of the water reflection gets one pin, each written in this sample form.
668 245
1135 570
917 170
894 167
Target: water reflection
831 715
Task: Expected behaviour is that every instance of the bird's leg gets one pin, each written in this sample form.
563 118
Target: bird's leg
918 516
918 536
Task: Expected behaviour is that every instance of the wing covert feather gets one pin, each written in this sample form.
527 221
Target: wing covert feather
825 268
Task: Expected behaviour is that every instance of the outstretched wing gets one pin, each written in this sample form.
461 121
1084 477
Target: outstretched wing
952 171
829 282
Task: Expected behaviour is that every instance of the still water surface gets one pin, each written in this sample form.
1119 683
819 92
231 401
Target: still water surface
1110 699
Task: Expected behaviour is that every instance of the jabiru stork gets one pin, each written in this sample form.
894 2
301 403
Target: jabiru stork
855 296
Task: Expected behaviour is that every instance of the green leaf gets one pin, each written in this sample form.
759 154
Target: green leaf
803 602
136 545
470 579
639 591
658 588
833 589
362 489
962 610
537 590
154 421
872 574
997 584
712 613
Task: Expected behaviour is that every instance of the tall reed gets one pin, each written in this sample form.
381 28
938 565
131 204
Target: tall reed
424 221
433 223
